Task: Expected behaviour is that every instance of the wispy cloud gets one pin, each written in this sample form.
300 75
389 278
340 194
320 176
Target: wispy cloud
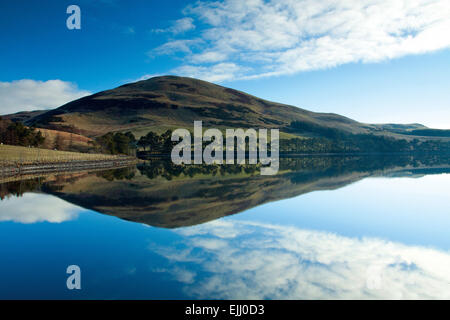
28 95
277 37
176 46
144 77
179 26
216 73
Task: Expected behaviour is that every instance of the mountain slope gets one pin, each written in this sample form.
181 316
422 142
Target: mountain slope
171 102
23 116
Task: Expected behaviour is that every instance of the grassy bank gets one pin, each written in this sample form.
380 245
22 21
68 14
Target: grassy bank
15 155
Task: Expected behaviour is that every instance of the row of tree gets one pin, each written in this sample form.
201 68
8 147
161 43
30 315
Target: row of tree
168 170
331 140
17 134
155 143
363 143
117 143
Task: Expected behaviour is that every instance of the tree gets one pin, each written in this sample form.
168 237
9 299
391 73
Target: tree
15 133
151 140
59 142
167 143
117 143
154 141
143 142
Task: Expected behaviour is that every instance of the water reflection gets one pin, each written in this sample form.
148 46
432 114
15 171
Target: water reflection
379 238
161 194
247 260
32 208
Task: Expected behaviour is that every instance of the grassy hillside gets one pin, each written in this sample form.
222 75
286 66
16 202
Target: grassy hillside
52 139
23 116
62 140
169 102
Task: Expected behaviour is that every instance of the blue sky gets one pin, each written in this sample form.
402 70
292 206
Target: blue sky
374 61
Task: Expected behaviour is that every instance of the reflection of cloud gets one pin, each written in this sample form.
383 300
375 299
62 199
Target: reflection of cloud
180 274
263 261
32 208
222 229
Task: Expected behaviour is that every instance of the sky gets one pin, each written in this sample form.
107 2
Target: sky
376 61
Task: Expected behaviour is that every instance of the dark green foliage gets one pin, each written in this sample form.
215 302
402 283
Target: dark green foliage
156 143
332 140
168 170
15 133
309 127
117 143
428 133
359 143
321 140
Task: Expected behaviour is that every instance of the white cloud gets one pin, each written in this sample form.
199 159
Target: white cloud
145 77
277 37
32 208
218 72
175 46
265 261
208 56
28 95
179 26
183 25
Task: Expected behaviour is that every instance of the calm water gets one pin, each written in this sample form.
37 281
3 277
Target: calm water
323 228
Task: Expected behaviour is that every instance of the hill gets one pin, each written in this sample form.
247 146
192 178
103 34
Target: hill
170 102
52 139
23 116
61 140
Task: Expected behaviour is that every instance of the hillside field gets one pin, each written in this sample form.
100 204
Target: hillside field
15 155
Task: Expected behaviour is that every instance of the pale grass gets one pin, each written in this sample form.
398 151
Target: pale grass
15 155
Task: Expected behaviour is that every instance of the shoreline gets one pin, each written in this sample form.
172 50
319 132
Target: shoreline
68 166
19 160
324 154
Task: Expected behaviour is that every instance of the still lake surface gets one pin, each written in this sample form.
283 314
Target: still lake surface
323 228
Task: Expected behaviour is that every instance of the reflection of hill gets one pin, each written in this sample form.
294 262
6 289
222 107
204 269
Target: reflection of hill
171 198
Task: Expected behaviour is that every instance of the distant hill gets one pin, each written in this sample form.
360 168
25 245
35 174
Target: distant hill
170 102
401 127
23 116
